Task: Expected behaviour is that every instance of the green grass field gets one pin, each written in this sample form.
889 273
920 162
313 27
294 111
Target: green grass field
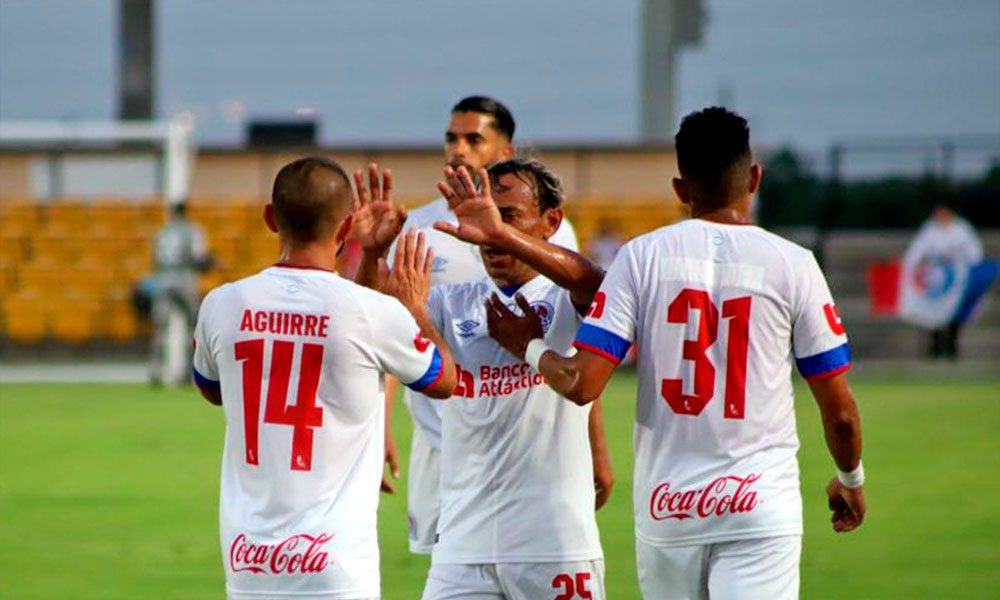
110 491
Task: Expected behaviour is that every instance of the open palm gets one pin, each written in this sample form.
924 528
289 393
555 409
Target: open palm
479 220
376 220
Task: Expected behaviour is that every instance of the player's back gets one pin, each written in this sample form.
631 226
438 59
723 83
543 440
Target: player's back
717 311
298 354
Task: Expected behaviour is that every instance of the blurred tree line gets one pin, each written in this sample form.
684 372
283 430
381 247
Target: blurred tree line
792 195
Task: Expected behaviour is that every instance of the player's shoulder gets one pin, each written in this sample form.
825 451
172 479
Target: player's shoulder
424 216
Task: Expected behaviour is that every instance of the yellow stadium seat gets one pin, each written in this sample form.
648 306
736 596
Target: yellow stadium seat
39 279
20 213
120 323
24 320
13 246
74 321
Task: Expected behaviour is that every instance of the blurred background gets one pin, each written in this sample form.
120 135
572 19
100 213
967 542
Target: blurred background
869 117
866 115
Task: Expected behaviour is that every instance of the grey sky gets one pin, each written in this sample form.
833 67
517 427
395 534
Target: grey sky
805 71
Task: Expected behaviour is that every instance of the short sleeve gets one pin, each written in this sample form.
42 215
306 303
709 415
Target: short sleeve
399 347
610 326
205 367
819 339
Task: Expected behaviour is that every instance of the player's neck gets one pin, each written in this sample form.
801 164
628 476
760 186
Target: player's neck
308 256
515 282
737 213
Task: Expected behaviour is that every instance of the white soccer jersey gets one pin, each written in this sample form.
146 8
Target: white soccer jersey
455 261
718 313
298 355
517 479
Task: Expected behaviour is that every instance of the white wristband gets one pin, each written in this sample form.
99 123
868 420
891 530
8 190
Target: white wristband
852 479
533 353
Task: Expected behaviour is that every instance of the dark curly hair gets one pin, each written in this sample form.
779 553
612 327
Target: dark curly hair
543 182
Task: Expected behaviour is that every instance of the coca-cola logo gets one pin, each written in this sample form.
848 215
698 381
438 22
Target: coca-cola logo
298 554
728 494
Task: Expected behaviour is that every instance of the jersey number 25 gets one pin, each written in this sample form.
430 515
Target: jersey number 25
737 310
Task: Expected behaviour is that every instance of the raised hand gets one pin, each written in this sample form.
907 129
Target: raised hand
377 221
409 279
847 505
511 331
479 221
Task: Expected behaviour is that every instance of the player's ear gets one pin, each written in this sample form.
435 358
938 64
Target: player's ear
269 219
508 151
756 173
681 189
552 218
344 230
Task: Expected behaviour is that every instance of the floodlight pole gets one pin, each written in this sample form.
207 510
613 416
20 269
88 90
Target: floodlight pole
667 26
136 82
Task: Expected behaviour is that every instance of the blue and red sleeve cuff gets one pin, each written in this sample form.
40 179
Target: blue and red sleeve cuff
205 383
602 343
431 376
825 364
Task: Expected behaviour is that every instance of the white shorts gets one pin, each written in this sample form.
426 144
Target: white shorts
423 493
517 581
765 569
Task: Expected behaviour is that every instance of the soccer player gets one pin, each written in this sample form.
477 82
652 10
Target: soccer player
480 133
295 355
180 254
517 494
720 310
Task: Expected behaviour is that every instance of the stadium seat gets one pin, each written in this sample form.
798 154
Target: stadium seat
24 319
75 320
120 322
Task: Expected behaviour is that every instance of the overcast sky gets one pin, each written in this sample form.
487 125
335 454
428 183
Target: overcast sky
806 72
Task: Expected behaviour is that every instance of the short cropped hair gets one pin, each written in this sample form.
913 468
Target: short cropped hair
503 121
543 182
310 196
713 154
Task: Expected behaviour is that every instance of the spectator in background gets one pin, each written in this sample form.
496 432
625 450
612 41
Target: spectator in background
944 277
603 247
180 254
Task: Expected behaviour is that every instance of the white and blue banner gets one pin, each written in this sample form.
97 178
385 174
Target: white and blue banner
940 291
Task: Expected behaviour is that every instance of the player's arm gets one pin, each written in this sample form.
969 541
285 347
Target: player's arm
823 356
604 477
842 427
409 282
204 369
480 223
212 395
580 378
391 449
376 221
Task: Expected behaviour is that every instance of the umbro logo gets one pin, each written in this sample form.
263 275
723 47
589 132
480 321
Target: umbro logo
467 328
438 265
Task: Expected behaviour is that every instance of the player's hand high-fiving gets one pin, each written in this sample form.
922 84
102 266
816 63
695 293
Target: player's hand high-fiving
377 221
409 278
479 219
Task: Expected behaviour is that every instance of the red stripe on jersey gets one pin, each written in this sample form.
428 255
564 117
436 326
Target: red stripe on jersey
829 374
598 352
303 268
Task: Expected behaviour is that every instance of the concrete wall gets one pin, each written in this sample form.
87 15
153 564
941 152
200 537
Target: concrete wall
600 172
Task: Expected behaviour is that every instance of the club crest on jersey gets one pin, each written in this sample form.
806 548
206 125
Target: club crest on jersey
438 265
545 312
467 328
